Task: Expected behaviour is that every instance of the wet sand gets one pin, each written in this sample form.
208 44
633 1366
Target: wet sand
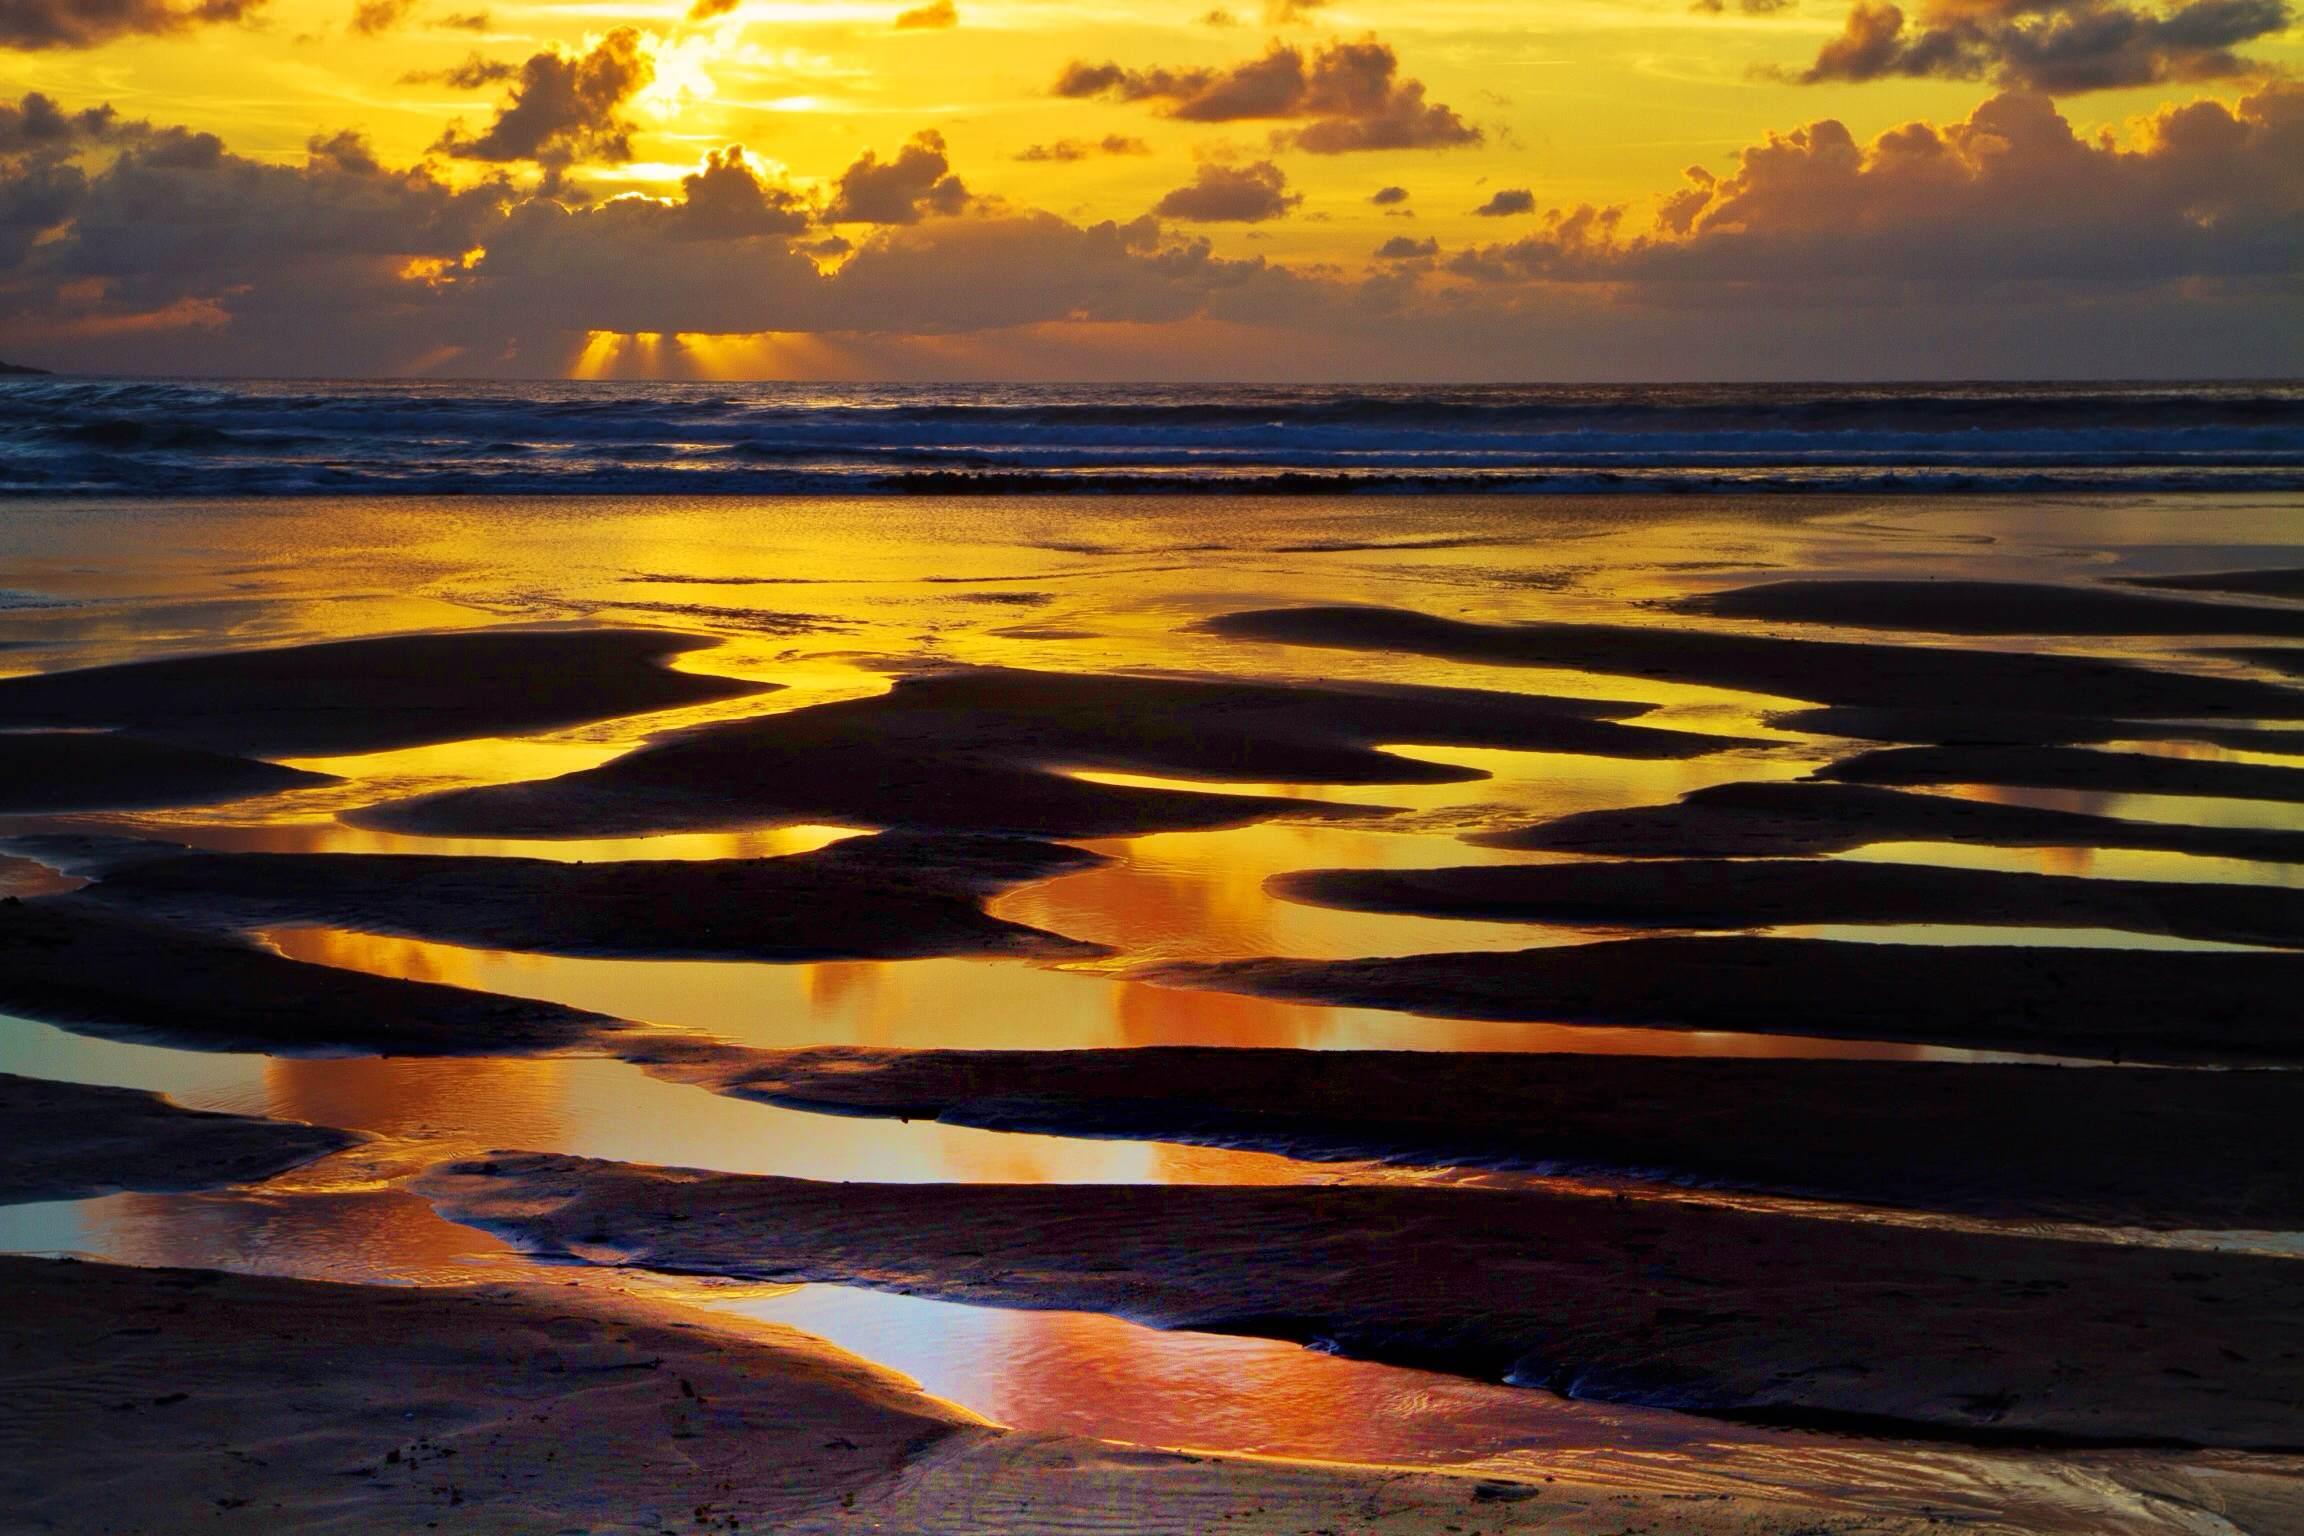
1732 820
2285 581
370 695
2173 1007
1705 1310
890 896
990 750
1743 893
1949 727
147 1402
1988 608
2134 1147
2125 773
66 1141
1820 671
90 771
65 960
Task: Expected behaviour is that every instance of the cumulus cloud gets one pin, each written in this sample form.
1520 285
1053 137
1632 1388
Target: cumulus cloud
1386 197
370 17
1231 194
1351 92
1063 151
2061 47
917 183
1507 202
930 17
2001 242
474 74
564 107
39 24
2011 194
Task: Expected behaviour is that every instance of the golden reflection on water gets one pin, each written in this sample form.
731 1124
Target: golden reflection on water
822 597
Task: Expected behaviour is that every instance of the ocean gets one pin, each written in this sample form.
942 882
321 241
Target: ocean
127 437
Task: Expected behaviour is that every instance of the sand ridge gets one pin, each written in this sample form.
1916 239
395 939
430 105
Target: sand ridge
67 1141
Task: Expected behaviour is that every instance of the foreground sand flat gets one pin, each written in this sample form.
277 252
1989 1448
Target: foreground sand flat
888 896
2198 1007
66 1141
990 750
1731 820
2123 1147
1990 608
92 770
1748 893
1670 1305
143 1402
372 695
1821 671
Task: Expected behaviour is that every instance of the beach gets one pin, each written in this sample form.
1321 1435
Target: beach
1735 1010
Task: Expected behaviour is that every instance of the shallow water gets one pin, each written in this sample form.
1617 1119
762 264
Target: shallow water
826 597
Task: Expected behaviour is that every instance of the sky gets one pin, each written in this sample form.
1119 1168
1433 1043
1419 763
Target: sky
1153 189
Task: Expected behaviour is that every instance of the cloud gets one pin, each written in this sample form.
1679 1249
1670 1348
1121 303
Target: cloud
1350 91
1245 194
1288 13
2009 195
465 21
1385 197
914 185
39 24
1066 150
370 17
564 108
705 10
930 17
2001 243
474 74
2061 47
1748 7
1506 203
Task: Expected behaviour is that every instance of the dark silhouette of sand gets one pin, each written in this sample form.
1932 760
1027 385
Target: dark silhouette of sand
2106 1004
990 750
890 896
2123 773
1704 1309
2136 1146
1731 820
1950 727
91 770
66 960
1988 608
1821 671
2278 581
1748 893
351 696
67 1141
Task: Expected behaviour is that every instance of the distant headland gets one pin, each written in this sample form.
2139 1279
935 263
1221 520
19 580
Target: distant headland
18 370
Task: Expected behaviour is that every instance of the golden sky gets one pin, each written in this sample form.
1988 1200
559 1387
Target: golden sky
986 140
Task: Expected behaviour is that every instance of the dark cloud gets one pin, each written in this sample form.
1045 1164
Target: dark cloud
1228 194
370 17
1219 18
2010 195
1351 92
1402 248
465 21
37 123
1506 203
38 24
346 150
2061 47
917 183
1067 150
474 74
564 108
1385 197
934 15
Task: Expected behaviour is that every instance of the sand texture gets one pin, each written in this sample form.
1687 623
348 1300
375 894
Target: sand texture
993 750
1698 1308
2135 1147
372 695
67 1141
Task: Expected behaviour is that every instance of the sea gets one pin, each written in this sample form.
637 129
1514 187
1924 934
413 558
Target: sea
76 436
